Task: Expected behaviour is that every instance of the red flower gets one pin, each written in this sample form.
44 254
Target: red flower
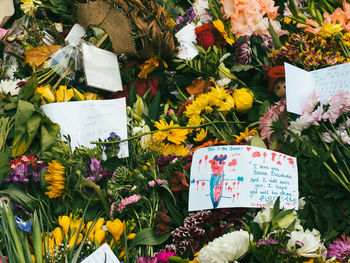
207 35
143 85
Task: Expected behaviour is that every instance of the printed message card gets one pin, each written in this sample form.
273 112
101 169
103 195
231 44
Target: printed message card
102 255
242 176
301 83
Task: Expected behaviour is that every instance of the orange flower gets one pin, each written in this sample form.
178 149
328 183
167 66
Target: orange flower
209 143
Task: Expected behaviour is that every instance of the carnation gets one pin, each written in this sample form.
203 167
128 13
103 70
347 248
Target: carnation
10 86
207 35
226 248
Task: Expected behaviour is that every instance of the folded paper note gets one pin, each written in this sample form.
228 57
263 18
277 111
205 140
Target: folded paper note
6 11
102 255
242 176
87 121
101 69
186 37
327 82
75 35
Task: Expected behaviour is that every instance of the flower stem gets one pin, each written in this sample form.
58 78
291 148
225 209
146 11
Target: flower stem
86 182
170 128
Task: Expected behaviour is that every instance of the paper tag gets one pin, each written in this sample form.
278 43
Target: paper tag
75 35
242 176
90 120
103 254
101 69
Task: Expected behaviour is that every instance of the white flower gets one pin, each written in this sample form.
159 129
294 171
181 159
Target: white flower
9 86
223 82
264 216
201 8
306 244
226 248
301 203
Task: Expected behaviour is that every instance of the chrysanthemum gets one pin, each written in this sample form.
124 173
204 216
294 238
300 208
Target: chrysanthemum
55 177
329 30
340 249
201 135
176 136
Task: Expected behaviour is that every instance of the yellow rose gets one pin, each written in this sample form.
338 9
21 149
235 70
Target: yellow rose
244 99
47 95
64 222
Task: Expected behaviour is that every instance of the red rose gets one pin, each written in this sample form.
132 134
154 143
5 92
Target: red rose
207 35
143 85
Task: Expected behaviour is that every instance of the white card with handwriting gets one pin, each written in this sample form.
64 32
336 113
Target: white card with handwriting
301 83
242 176
103 254
90 120
101 69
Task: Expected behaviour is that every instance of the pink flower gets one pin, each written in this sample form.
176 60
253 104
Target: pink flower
158 181
312 100
248 16
3 33
272 115
127 201
338 104
163 256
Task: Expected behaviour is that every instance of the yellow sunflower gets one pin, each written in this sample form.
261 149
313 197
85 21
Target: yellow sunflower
55 177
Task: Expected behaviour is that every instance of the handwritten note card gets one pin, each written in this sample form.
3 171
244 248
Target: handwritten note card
101 69
102 255
87 121
75 35
242 176
327 81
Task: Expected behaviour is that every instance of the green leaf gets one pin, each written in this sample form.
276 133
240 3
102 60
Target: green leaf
276 208
18 196
132 95
49 133
154 108
180 66
238 68
256 141
27 122
148 237
275 38
4 165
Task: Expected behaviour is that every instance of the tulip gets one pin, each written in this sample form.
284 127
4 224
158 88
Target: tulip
244 99
100 235
73 238
91 96
115 228
47 95
64 222
57 234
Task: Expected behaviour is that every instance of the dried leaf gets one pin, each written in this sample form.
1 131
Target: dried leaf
198 86
37 56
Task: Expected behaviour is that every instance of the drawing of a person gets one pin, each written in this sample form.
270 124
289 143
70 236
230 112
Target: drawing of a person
217 178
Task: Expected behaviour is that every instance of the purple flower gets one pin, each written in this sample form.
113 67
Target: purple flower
164 161
340 249
187 18
19 174
23 225
95 170
243 53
